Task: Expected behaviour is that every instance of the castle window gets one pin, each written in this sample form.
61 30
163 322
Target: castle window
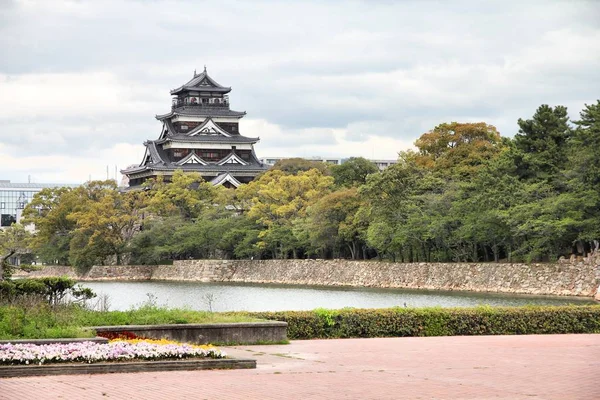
210 155
180 153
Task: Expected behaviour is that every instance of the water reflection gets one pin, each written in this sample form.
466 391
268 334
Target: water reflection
251 297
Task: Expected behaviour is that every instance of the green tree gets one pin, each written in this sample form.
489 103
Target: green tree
389 197
153 244
105 222
242 238
486 208
583 170
541 144
548 224
457 149
187 195
48 212
276 200
14 241
353 172
333 225
584 154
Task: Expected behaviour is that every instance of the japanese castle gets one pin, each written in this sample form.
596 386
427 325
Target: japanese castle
200 134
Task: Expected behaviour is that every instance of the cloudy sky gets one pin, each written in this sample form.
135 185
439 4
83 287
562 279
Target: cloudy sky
81 81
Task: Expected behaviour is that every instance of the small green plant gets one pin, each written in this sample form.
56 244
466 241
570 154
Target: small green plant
326 316
209 299
151 301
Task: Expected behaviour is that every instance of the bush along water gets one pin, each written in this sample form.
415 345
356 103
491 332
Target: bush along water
53 290
397 322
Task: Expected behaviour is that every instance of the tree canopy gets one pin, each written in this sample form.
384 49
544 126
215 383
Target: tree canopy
353 172
464 194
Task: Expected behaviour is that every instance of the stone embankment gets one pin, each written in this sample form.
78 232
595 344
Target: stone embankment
581 278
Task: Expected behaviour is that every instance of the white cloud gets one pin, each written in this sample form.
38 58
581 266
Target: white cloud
81 81
94 93
324 142
76 168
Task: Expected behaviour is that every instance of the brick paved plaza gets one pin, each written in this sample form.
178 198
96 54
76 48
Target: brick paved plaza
483 367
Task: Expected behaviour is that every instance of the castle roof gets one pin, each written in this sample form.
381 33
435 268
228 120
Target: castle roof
207 132
156 159
208 139
225 177
215 169
217 152
201 111
201 82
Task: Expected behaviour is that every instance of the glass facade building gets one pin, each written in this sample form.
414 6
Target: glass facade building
15 196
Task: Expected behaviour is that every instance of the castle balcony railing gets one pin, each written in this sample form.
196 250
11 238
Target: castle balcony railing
199 105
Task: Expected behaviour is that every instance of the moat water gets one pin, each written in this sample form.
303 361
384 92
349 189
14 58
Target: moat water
260 297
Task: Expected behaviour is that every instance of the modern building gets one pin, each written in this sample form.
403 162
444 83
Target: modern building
270 161
200 134
381 164
15 196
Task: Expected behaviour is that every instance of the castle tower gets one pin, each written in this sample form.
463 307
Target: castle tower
200 134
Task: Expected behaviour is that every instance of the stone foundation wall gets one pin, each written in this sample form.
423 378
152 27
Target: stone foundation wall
578 279
568 279
47 271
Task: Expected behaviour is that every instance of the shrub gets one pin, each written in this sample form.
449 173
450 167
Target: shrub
395 322
52 289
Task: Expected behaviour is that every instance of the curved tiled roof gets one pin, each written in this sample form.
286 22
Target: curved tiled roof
202 82
234 157
208 126
155 155
225 177
208 139
253 168
159 160
191 157
202 112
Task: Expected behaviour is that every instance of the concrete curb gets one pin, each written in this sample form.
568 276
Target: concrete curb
15 371
225 333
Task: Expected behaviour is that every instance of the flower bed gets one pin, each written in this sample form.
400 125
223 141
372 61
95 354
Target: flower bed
88 352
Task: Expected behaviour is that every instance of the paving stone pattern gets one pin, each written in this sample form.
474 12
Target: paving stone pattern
483 367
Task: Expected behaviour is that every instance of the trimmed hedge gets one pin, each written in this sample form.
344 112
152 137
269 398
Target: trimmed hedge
396 322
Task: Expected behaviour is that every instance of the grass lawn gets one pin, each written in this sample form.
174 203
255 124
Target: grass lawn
40 321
